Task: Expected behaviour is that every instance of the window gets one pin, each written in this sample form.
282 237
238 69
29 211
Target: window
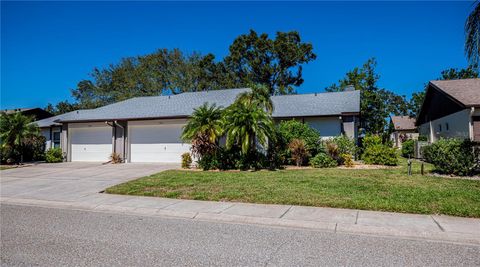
439 127
56 139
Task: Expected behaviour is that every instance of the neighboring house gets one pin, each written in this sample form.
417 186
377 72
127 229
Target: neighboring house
51 130
36 113
148 129
403 129
451 109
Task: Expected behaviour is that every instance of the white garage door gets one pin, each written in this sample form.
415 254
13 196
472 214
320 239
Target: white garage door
156 143
91 142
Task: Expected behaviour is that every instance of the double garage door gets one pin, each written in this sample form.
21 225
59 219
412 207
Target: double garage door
150 141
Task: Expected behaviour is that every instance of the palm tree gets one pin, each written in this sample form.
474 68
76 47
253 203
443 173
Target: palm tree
472 35
260 95
245 124
205 121
15 132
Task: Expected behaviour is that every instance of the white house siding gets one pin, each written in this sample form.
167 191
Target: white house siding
328 127
46 133
156 141
458 126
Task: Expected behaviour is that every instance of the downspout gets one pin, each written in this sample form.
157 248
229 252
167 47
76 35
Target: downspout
470 125
123 138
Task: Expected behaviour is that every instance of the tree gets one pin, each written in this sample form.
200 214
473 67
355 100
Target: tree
61 107
258 96
276 63
163 72
245 124
454 73
16 134
415 103
472 36
376 103
205 120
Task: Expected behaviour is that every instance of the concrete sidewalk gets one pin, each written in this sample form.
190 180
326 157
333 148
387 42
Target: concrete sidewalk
431 227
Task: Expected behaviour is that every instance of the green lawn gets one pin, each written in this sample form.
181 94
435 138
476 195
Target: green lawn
385 190
5 168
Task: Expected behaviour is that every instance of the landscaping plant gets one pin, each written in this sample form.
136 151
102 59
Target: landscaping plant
294 129
453 156
54 155
347 160
299 151
323 160
115 158
408 148
20 139
375 152
186 160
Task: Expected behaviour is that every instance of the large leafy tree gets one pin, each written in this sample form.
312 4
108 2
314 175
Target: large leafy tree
376 103
472 35
162 72
245 125
16 133
277 63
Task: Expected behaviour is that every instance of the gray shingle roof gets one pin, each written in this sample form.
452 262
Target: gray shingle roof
182 105
51 121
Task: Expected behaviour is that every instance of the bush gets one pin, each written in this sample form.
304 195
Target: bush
54 155
347 160
208 162
186 160
407 148
299 151
422 138
453 156
338 146
294 129
375 152
322 160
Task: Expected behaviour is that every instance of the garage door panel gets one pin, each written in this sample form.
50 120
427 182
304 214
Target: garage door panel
157 143
91 143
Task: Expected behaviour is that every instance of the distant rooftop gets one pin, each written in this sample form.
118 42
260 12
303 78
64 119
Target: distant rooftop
403 123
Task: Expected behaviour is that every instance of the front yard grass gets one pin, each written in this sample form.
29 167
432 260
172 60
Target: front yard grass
378 189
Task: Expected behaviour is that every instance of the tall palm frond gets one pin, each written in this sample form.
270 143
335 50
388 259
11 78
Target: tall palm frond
206 122
260 95
472 35
245 124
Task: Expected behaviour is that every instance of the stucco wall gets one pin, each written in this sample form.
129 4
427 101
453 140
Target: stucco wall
327 126
458 126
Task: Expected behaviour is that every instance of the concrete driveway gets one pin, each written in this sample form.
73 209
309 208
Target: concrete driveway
70 181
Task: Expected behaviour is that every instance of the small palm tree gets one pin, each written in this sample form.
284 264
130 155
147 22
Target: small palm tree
260 95
472 35
15 132
205 121
245 124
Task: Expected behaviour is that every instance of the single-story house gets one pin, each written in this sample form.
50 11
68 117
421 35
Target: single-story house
148 129
36 113
403 129
451 109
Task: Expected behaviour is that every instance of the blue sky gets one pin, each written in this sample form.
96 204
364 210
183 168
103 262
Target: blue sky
47 47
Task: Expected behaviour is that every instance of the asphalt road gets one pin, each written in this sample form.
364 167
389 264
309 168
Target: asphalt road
58 237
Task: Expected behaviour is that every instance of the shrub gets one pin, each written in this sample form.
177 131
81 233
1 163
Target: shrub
54 155
453 156
186 160
294 129
422 138
208 162
347 160
115 158
338 146
375 152
407 148
322 160
298 150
